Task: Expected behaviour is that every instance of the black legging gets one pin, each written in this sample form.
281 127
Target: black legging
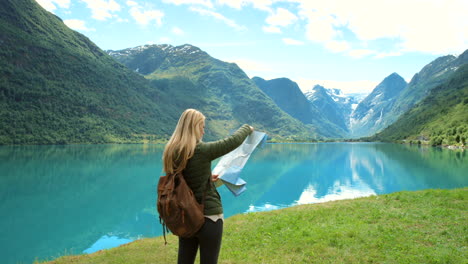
209 240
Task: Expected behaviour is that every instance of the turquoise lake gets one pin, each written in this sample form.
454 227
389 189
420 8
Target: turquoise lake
61 200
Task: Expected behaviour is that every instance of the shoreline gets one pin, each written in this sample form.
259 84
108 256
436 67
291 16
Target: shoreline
426 144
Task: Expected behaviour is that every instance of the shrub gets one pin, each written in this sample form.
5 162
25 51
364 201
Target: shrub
436 141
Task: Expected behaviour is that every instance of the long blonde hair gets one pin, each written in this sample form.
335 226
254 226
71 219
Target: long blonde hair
183 141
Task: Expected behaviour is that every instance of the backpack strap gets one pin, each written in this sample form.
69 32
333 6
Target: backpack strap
165 229
170 185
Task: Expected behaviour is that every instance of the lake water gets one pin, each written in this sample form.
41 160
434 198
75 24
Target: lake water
57 200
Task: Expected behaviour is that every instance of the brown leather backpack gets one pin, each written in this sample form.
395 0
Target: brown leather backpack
178 209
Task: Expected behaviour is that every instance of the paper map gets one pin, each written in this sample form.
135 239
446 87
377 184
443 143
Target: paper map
231 164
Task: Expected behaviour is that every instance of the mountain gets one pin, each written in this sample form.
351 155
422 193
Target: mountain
221 90
441 117
334 105
355 98
328 110
432 75
369 114
57 87
346 103
289 97
344 100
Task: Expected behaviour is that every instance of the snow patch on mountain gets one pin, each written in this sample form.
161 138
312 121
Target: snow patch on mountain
345 104
169 49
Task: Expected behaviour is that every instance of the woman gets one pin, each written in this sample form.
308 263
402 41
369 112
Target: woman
186 153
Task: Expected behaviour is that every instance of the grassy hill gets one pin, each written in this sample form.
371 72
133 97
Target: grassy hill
441 118
405 227
57 87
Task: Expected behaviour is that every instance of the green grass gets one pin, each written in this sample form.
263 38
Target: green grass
406 227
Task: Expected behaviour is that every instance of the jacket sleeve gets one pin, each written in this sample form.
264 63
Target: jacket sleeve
221 147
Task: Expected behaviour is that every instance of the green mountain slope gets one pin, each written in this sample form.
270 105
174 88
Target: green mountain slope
221 90
430 76
57 87
442 117
287 95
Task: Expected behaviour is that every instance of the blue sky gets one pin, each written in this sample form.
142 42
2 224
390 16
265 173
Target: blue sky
351 45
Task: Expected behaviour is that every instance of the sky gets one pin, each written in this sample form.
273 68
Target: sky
344 44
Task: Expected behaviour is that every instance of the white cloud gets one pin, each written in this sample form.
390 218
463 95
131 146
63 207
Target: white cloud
289 41
233 3
102 9
132 3
77 24
282 17
360 86
206 3
387 54
218 16
238 4
320 28
436 27
271 29
145 17
337 46
122 20
51 5
177 31
360 53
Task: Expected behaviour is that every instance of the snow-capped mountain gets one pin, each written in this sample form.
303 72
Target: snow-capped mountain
367 118
334 104
146 59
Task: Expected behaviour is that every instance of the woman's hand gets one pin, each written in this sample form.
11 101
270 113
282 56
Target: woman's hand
251 128
214 177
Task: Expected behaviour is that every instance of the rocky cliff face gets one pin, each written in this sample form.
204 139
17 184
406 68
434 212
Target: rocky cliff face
335 105
369 114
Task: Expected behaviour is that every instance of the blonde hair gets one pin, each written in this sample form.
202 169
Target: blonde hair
183 141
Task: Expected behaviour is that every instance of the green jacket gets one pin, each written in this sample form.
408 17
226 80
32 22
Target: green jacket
198 169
